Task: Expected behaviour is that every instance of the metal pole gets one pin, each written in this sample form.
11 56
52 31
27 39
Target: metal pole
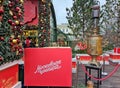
103 72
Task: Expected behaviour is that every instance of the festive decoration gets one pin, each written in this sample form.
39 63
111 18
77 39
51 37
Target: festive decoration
21 1
82 45
14 41
11 30
1 11
43 1
17 22
44 23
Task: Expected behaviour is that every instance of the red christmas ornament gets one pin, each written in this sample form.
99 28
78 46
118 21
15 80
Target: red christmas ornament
11 44
2 38
1 11
17 8
10 21
13 24
1 58
20 50
15 17
16 47
17 1
11 4
21 23
19 14
18 40
10 39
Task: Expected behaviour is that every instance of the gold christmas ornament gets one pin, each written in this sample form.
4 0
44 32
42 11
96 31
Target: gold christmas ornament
1 1
22 1
44 1
17 22
14 41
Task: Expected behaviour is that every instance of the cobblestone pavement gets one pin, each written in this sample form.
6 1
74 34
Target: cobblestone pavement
78 80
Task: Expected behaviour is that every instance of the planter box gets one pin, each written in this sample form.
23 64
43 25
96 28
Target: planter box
9 75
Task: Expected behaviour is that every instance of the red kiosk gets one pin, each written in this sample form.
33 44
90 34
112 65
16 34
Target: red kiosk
48 67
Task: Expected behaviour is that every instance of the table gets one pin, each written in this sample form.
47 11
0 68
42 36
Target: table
89 69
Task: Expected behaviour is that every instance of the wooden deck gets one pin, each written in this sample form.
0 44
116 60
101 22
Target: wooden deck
112 82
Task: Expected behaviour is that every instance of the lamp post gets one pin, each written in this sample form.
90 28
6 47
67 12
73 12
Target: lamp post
95 40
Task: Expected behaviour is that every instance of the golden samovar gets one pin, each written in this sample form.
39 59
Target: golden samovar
94 42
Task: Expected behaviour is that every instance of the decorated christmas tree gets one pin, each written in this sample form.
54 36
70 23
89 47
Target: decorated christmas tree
11 26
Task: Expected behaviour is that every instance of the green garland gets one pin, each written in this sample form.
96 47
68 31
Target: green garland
6 54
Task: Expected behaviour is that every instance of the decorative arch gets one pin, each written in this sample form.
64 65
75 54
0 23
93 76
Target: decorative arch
54 22
56 32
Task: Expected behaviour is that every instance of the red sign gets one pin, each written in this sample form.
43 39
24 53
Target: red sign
48 67
9 76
